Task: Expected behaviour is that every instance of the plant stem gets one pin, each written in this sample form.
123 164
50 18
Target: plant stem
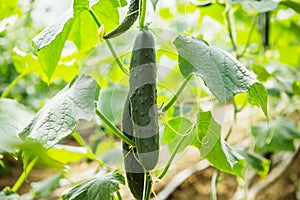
24 175
178 92
143 10
90 153
248 38
166 168
115 55
119 195
12 85
230 31
110 46
214 182
116 131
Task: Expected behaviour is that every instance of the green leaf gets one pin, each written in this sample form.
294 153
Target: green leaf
279 135
50 42
6 194
260 164
84 31
258 96
107 13
66 154
9 9
165 13
44 187
58 117
214 148
96 188
13 118
175 129
28 63
222 73
291 4
260 6
111 101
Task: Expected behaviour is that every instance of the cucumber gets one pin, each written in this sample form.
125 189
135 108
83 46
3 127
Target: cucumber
134 170
131 16
143 95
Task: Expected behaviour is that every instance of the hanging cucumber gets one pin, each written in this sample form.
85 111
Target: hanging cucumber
143 97
134 170
131 16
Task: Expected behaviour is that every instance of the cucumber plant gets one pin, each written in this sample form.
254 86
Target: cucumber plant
145 126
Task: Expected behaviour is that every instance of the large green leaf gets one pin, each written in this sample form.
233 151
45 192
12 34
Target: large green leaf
107 12
13 118
75 24
278 135
260 164
222 73
96 188
28 63
58 117
175 129
50 42
214 148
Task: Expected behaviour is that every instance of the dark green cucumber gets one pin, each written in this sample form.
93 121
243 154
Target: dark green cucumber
143 99
134 170
131 16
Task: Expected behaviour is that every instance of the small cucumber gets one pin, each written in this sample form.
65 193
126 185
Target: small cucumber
131 16
143 97
134 170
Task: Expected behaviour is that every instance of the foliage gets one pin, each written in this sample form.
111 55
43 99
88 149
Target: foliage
213 52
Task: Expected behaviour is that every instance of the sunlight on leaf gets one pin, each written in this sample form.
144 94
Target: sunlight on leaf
58 117
214 148
258 96
96 188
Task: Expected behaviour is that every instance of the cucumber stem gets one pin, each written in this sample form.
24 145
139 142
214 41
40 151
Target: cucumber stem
90 153
116 131
143 10
166 168
178 92
24 175
110 46
12 85
115 55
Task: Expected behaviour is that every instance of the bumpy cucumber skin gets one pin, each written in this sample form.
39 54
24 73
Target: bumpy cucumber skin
131 16
134 170
143 97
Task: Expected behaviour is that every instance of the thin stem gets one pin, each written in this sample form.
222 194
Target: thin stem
110 46
179 91
166 168
90 153
143 10
119 195
95 17
12 85
116 57
116 131
214 182
230 30
24 175
249 37
148 188
235 111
